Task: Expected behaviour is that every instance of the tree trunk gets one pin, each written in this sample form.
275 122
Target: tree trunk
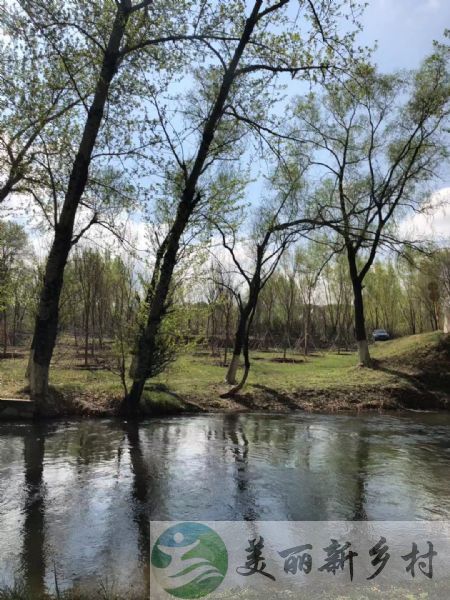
239 341
247 313
130 404
233 369
47 317
245 347
447 317
6 189
5 334
243 381
360 326
141 368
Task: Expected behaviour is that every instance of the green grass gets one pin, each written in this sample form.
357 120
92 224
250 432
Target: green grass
194 375
198 378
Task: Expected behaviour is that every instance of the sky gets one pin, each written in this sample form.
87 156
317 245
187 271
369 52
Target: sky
404 31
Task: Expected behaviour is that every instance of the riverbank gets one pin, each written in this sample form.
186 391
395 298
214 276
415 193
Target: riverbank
409 373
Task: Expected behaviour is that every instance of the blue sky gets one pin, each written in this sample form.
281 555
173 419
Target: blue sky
404 29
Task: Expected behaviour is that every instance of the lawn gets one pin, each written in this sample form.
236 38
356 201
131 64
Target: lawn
195 380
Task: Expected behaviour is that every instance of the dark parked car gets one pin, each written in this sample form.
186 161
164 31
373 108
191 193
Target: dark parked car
380 335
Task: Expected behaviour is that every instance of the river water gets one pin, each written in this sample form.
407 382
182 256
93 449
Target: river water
76 497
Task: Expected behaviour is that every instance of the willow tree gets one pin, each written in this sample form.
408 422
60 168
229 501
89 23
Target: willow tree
374 141
233 97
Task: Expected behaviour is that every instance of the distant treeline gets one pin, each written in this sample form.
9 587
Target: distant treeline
303 307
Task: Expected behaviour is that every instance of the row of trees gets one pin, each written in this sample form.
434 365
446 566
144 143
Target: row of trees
173 108
305 306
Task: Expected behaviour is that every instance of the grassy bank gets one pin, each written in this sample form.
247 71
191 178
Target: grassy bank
411 372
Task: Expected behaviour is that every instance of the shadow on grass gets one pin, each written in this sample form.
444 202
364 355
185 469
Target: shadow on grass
424 389
158 399
270 394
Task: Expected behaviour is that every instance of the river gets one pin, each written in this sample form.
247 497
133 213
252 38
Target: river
76 497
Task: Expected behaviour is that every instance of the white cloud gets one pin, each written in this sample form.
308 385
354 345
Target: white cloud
434 222
129 227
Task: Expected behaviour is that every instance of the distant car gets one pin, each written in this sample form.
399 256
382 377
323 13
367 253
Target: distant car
380 335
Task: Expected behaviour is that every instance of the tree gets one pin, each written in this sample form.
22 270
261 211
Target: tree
288 294
410 304
123 315
36 94
13 242
108 36
89 268
338 293
220 297
374 153
231 94
312 261
444 279
277 224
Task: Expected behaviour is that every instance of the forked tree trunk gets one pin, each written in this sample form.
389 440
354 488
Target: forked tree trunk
239 341
247 319
46 324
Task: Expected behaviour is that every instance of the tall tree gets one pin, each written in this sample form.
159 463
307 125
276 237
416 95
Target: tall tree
13 242
95 42
277 223
375 140
231 94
